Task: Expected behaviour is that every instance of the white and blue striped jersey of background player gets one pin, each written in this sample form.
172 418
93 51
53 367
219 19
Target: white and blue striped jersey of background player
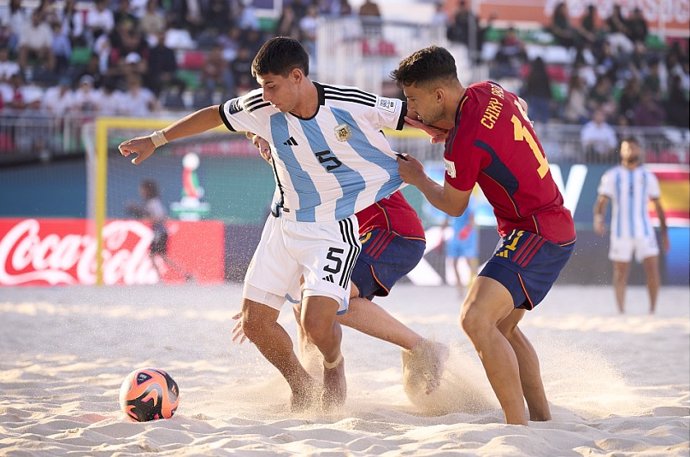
333 164
630 192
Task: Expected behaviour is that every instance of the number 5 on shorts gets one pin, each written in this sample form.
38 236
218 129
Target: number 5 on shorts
332 255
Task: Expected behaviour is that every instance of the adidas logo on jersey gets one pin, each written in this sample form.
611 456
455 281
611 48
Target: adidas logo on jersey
328 278
290 142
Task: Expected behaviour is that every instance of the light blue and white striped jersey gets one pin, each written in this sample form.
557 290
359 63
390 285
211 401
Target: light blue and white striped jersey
332 165
630 192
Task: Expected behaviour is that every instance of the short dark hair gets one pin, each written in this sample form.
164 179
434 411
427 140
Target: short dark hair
425 65
279 56
150 188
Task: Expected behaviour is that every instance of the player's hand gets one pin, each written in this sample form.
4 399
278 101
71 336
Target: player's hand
142 146
411 170
437 135
665 243
262 145
599 226
238 335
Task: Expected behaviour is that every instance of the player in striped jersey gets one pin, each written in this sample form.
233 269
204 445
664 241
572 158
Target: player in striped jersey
330 161
629 187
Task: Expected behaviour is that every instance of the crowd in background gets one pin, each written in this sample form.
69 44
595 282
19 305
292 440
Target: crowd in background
127 57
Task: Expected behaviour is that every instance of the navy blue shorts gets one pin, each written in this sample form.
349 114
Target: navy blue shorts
527 265
384 259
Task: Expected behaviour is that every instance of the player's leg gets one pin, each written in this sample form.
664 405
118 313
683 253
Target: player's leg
528 363
322 330
259 323
621 270
488 303
651 269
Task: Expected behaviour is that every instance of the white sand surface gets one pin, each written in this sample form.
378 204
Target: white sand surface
618 385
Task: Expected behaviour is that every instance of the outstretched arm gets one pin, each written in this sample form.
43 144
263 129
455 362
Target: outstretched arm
193 124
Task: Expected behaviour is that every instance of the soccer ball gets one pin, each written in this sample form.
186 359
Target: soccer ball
149 394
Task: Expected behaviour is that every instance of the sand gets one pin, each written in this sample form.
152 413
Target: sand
618 385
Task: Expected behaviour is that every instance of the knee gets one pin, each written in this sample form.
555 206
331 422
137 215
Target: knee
253 324
317 330
473 322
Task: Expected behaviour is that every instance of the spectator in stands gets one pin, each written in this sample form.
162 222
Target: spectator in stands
99 20
217 16
510 56
162 65
58 100
186 14
241 71
246 17
637 26
215 73
288 24
86 98
575 109
152 23
537 92
7 67
124 13
15 94
676 105
561 29
62 49
655 79
598 139
138 101
308 26
72 22
589 28
14 19
173 96
601 97
35 42
649 112
629 98
300 9
440 17
618 31
110 103
370 14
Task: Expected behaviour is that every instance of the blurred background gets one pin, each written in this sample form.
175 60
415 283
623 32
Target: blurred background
592 73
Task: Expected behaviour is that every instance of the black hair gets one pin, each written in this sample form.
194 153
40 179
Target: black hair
425 65
150 188
279 56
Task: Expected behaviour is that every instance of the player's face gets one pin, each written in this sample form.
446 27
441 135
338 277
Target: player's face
280 91
630 152
424 101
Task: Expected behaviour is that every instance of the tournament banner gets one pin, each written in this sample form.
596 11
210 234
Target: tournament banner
48 252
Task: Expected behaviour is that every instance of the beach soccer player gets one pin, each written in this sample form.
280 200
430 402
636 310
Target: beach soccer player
490 141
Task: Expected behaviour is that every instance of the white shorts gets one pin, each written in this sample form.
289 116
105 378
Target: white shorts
323 253
622 249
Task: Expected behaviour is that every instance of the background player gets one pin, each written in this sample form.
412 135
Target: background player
490 141
154 210
629 187
462 244
330 160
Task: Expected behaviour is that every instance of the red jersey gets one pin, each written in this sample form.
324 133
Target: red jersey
493 144
393 214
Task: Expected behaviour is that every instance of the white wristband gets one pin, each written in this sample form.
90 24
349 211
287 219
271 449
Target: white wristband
158 138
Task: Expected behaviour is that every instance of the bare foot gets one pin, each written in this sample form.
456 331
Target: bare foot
334 386
423 366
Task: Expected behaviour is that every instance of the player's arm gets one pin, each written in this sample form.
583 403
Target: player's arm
446 198
665 244
193 124
599 212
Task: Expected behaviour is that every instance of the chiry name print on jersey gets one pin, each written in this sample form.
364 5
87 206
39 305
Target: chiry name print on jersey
493 109
348 94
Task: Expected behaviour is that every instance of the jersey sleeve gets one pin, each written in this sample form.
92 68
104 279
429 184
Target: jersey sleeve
653 189
606 185
462 160
239 114
390 113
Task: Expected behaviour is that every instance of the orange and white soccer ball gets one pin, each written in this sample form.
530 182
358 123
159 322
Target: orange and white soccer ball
148 394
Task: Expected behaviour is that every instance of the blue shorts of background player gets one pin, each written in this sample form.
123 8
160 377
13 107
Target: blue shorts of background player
457 248
527 265
385 258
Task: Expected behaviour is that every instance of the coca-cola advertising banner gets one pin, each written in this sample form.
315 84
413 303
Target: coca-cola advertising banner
63 251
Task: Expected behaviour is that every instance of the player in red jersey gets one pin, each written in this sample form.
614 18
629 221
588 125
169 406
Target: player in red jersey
490 142
393 242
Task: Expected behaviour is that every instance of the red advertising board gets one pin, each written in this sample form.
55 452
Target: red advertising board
63 251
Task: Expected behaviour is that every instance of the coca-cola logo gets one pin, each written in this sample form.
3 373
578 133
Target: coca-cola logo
30 255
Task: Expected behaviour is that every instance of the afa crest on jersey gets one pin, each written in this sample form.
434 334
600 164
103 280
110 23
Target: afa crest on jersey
343 132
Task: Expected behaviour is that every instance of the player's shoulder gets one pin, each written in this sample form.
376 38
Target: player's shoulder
252 103
349 95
